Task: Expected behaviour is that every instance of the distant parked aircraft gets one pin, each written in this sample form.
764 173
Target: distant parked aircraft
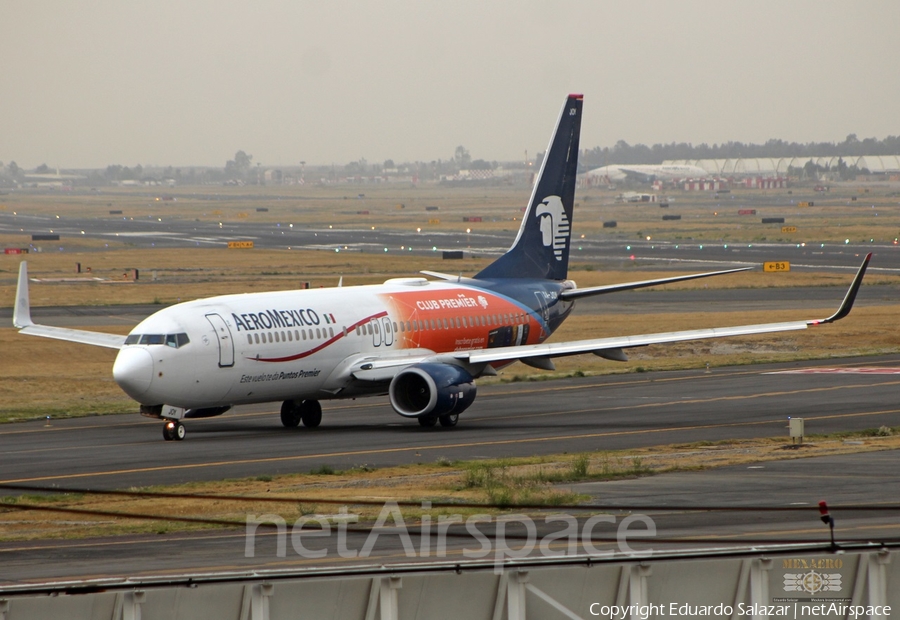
648 172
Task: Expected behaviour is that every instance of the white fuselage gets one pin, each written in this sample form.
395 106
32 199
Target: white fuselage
659 171
263 347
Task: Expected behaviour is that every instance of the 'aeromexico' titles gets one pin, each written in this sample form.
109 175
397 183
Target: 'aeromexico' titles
269 319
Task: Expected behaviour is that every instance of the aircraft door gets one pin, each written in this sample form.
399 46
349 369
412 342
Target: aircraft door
225 341
375 330
545 311
388 331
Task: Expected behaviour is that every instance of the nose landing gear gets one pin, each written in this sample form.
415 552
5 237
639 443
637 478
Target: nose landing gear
173 429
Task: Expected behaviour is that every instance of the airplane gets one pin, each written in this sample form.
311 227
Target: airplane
648 172
421 342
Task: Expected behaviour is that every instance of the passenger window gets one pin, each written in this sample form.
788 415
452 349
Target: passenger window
249 338
318 333
290 336
331 332
446 325
256 338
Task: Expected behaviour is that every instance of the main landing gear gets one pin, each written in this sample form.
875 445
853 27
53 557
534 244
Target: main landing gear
173 429
446 421
309 412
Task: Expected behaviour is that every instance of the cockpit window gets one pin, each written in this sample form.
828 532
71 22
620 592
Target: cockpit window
173 340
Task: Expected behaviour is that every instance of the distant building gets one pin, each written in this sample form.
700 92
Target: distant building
778 166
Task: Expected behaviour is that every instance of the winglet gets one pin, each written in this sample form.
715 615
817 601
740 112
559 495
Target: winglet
850 297
22 309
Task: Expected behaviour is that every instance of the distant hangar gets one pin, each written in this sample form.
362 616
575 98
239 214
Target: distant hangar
778 166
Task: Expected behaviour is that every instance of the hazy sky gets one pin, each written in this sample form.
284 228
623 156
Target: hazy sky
98 82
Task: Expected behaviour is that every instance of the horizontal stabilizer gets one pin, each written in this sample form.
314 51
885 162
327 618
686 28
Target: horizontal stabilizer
630 286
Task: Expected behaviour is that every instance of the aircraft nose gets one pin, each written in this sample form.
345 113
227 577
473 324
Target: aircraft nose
133 371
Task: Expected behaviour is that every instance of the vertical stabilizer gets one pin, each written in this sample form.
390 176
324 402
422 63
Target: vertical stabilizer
541 249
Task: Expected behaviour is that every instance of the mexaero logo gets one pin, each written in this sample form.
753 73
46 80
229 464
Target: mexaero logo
554 224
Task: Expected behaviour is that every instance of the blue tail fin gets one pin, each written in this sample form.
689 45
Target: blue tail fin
541 249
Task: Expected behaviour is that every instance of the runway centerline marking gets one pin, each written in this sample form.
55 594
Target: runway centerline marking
697 401
861 370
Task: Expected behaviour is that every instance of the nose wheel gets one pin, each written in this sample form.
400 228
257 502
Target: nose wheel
173 429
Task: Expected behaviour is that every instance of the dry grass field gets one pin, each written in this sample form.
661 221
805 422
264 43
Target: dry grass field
854 212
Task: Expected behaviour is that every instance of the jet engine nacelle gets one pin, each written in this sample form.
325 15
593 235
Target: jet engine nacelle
432 390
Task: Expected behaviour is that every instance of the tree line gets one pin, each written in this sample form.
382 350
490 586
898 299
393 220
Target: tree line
241 167
624 153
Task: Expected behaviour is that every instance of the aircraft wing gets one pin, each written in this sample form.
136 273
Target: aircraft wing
637 173
539 354
22 320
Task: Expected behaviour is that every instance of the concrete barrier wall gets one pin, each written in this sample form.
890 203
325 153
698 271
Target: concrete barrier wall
787 581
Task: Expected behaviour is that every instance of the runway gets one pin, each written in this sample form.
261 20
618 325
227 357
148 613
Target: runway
581 414
585 414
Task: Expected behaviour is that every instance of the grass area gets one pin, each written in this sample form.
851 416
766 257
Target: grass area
491 486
